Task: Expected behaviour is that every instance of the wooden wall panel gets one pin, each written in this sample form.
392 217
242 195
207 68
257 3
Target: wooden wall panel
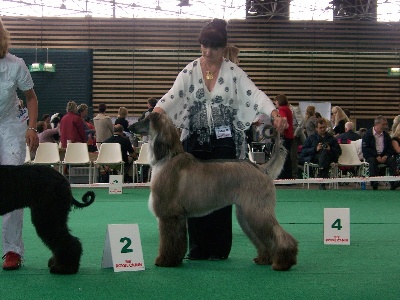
344 62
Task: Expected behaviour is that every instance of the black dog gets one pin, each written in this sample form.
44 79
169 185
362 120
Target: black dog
48 194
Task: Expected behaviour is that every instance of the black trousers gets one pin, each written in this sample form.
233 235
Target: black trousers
374 170
210 236
287 167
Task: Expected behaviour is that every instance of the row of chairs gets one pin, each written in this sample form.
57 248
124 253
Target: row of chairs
77 154
348 165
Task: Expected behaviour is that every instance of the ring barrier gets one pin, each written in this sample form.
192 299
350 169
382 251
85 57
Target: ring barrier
277 181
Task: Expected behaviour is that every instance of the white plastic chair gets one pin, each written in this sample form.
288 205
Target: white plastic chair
77 154
109 154
350 158
358 145
48 154
143 160
28 159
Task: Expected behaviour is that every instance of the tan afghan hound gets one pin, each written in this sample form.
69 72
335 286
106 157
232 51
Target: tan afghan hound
183 186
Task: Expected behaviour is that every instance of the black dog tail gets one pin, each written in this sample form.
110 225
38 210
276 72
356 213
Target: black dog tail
87 199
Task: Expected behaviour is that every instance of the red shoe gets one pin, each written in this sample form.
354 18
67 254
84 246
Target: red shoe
12 261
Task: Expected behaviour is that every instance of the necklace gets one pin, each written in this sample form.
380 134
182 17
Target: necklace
209 75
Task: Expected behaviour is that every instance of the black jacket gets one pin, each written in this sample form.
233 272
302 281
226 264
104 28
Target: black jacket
369 148
348 135
309 149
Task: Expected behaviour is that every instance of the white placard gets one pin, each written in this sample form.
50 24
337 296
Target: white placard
337 226
115 184
324 108
122 248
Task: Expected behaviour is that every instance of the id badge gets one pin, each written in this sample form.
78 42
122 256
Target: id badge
223 132
23 115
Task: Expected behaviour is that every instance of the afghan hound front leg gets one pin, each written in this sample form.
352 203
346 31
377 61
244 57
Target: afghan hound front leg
173 241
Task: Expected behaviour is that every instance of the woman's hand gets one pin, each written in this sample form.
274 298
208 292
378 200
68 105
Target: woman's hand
280 123
32 139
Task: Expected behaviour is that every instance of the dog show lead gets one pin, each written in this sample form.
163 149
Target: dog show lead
214 102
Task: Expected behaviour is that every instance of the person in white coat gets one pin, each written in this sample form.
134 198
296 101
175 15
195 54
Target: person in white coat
17 129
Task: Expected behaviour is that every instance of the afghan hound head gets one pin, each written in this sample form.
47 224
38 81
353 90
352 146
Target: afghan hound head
163 136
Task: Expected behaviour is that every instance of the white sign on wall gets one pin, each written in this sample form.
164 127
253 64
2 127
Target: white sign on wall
324 108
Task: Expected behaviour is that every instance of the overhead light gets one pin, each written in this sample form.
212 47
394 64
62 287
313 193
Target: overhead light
40 67
184 3
252 10
394 71
158 7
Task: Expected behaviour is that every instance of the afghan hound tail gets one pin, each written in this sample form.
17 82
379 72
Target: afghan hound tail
87 199
274 165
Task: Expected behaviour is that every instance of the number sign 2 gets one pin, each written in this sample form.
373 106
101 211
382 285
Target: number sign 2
123 248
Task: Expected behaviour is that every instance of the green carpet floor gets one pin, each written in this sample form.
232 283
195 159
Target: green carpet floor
367 269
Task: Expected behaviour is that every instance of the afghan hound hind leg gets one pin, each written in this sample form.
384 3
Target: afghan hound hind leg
285 250
173 241
263 250
55 234
67 251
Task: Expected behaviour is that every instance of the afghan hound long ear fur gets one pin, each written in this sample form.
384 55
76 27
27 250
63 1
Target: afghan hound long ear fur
164 137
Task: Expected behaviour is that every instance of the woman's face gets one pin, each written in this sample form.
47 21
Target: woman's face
333 114
212 54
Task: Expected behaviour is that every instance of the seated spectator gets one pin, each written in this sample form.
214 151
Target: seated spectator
103 125
83 111
46 135
127 151
349 135
46 119
151 103
362 131
321 148
396 122
396 147
338 119
378 150
310 120
121 118
72 127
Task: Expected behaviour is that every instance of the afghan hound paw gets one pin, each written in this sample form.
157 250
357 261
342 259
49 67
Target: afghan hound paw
282 266
285 260
164 262
261 260
58 269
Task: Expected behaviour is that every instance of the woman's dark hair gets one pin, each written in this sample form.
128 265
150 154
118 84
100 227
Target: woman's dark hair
214 34
282 100
102 108
41 125
152 102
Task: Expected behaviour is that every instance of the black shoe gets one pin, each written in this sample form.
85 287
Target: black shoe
375 185
395 185
322 186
